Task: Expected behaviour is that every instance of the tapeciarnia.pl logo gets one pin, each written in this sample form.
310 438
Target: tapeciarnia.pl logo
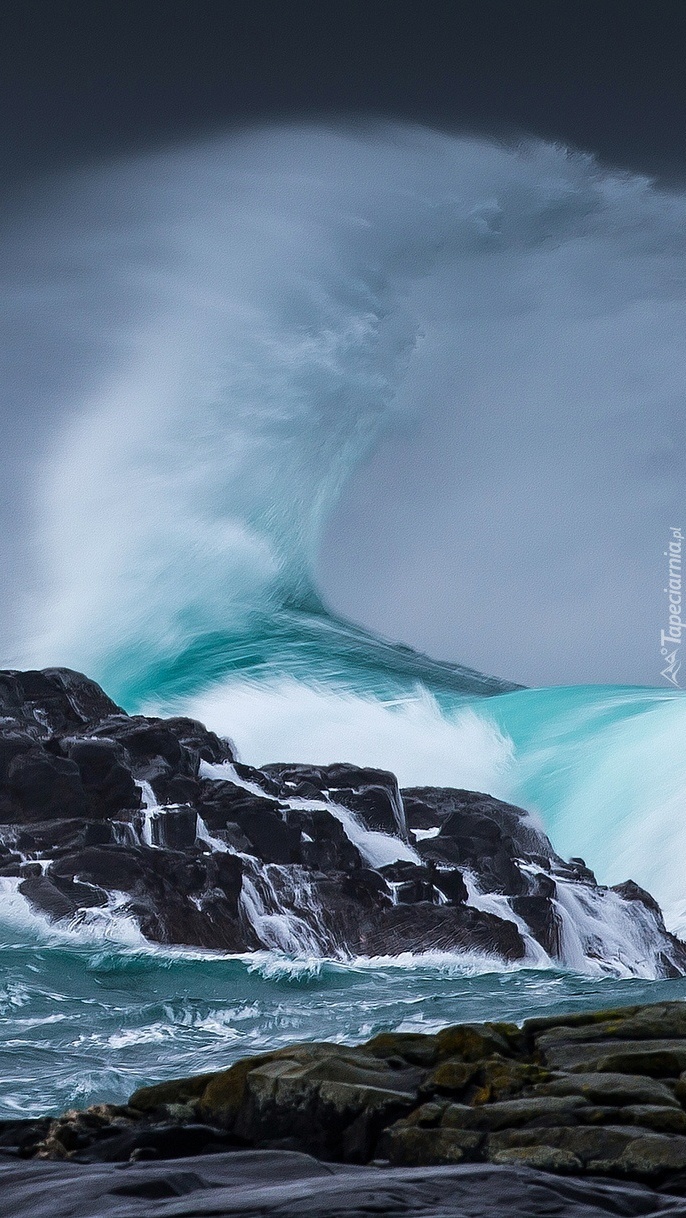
670 639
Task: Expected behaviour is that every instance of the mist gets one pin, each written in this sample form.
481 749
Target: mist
435 383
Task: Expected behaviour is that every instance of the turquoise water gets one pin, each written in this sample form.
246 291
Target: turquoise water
82 1024
89 1011
261 305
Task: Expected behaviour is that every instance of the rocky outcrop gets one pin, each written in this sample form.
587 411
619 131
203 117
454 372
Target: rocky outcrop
157 820
600 1094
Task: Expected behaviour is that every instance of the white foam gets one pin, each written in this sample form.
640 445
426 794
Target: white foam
289 720
92 927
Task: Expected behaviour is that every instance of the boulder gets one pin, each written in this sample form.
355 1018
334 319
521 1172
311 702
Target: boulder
659 1059
423 927
44 786
610 1089
53 700
107 784
405 1144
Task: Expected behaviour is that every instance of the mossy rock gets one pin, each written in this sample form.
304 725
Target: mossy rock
507 1078
648 1157
428 1115
611 1089
580 1019
660 1120
473 1042
406 1145
620 1148
450 1077
178 1091
513 1114
657 1058
223 1093
412 1047
656 1063
542 1158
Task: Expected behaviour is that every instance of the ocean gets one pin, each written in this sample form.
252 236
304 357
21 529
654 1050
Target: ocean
245 324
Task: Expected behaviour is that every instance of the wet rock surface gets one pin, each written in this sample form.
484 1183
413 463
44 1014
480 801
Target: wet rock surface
156 820
452 1123
257 1183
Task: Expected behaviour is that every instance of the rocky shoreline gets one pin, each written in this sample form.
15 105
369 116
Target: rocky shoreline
106 816
103 815
600 1096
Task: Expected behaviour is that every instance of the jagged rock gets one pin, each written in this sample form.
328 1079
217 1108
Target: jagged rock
440 804
52 700
372 794
60 900
72 765
44 786
174 827
324 844
269 834
107 784
543 920
176 898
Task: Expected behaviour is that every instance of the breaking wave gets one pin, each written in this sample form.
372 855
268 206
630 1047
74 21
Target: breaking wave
247 310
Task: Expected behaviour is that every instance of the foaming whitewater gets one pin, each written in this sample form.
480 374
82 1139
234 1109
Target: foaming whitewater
252 306
243 317
88 1013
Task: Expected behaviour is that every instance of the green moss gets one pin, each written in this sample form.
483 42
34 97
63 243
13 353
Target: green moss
177 1091
224 1092
471 1042
412 1047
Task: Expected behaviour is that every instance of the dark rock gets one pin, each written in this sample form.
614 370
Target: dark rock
71 767
160 883
422 928
176 789
56 835
107 783
630 891
610 1089
174 827
329 848
45 786
259 778
167 1141
543 921
53 700
12 744
451 884
60 898
372 794
271 837
513 822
